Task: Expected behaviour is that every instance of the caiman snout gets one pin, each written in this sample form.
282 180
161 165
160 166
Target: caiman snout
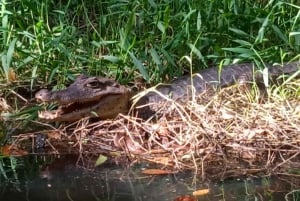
42 95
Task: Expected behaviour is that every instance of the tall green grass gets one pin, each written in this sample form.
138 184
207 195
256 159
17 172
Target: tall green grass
54 40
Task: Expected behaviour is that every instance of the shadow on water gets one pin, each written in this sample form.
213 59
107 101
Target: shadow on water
62 178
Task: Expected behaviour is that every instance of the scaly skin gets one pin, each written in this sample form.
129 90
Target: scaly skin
107 98
87 96
84 89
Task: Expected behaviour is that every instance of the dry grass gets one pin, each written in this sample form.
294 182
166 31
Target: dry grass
230 134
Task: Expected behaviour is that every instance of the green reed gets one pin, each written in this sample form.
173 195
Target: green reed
54 40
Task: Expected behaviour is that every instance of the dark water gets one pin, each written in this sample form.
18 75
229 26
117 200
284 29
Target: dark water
39 178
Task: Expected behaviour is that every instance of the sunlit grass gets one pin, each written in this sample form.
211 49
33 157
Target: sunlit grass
52 41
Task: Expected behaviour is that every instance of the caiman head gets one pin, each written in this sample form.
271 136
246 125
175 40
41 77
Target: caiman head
87 96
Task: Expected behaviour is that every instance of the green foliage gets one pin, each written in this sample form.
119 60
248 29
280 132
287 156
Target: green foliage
8 167
53 40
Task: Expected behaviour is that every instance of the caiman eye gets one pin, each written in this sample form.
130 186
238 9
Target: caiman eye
94 84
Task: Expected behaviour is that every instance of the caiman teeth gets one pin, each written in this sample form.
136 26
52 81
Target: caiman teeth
66 109
49 114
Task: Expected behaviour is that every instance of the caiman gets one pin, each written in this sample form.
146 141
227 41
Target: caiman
105 98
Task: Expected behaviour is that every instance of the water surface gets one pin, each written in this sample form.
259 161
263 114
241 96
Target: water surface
63 178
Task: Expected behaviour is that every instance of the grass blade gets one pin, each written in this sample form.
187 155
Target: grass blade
138 64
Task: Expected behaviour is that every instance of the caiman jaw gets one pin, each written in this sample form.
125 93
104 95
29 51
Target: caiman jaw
108 107
87 96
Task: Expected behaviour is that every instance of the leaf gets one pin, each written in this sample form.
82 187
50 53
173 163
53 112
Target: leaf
199 21
33 75
187 17
161 26
196 51
240 50
185 198
138 64
152 4
12 75
169 57
281 35
111 58
265 73
262 29
11 150
201 192
157 172
243 43
239 32
5 67
10 51
101 159
103 43
155 56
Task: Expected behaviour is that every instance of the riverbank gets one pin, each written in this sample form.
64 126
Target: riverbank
237 132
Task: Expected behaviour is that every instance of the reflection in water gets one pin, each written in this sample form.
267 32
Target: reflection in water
59 179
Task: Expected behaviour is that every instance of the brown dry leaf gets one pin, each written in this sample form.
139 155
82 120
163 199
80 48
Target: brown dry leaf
251 133
248 155
161 160
163 131
12 75
54 134
201 192
5 150
156 171
4 106
185 198
9 150
227 114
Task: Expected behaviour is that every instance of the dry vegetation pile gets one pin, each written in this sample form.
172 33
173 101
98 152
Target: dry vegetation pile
232 133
